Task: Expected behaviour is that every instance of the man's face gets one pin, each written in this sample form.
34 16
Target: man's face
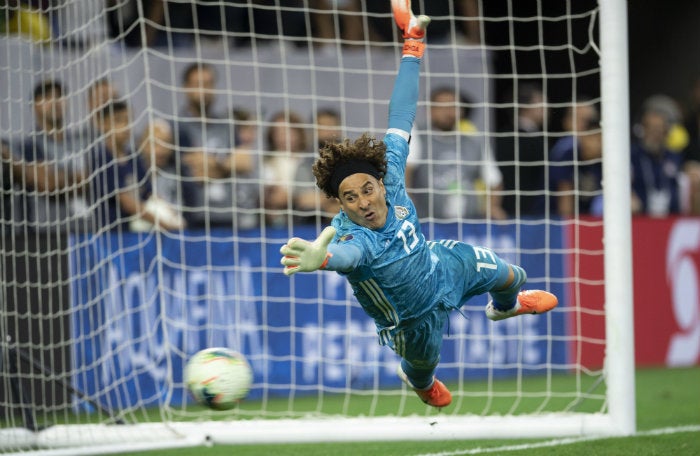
48 108
537 111
117 130
443 112
363 198
585 118
655 130
327 129
199 87
286 137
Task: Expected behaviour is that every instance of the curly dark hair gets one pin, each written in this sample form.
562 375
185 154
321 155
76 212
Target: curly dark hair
365 148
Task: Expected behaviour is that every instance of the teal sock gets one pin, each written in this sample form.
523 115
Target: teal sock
504 300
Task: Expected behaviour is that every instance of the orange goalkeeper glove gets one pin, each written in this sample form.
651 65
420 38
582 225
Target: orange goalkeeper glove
413 27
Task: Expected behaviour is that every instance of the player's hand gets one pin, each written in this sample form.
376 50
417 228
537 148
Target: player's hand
413 27
305 256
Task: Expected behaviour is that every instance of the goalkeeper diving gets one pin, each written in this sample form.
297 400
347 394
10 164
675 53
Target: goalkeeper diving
406 284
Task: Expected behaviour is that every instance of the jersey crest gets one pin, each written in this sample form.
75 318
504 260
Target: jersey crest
401 212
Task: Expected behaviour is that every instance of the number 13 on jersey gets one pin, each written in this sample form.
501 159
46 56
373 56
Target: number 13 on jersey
408 235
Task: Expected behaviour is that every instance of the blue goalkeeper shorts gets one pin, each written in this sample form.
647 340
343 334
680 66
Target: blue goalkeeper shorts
420 344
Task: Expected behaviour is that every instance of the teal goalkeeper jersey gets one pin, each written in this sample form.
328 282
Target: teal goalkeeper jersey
397 278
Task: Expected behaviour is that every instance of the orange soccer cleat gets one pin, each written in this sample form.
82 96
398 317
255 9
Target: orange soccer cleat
529 302
413 27
437 395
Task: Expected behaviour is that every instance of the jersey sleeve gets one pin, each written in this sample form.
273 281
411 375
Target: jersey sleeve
344 257
397 154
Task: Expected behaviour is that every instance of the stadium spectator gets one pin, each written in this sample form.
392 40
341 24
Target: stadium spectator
456 178
405 283
307 198
119 182
677 139
522 153
99 93
56 160
656 170
207 131
576 171
246 129
207 141
243 167
173 186
285 149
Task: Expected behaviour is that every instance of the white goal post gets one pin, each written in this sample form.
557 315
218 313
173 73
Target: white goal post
618 230
99 312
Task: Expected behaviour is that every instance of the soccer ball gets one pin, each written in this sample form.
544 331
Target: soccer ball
218 377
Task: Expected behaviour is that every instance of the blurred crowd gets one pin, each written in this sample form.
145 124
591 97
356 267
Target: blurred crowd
202 169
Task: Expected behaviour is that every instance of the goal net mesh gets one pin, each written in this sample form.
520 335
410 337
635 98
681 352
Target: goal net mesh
225 103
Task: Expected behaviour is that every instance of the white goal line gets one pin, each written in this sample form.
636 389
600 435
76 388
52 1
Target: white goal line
561 442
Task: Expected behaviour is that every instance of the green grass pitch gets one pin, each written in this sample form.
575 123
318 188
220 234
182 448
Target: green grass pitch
667 399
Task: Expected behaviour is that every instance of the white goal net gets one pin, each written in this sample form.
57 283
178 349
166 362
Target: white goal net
156 155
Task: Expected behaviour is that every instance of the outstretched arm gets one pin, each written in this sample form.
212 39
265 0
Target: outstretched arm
305 256
404 98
